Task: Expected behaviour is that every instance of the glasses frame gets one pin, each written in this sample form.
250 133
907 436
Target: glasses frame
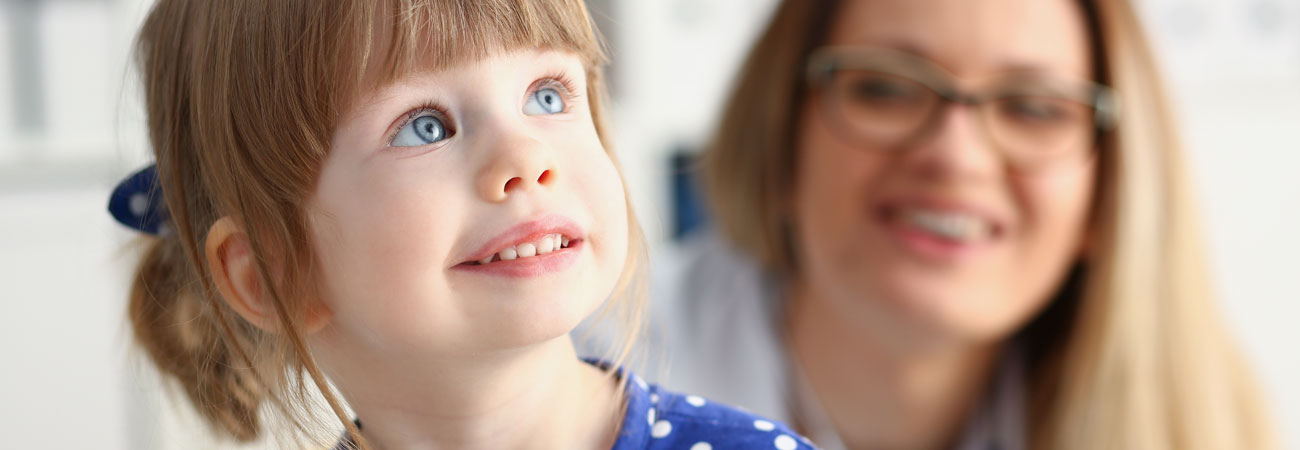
824 62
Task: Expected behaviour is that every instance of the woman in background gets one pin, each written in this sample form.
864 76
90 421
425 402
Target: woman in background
956 224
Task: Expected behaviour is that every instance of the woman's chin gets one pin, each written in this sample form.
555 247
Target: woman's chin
944 310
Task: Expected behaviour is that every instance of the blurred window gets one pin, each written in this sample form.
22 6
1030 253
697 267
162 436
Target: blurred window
63 76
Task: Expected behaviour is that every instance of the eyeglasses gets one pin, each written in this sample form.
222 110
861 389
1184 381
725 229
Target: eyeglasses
890 99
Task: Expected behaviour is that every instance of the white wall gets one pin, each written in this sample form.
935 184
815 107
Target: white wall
68 381
1235 72
61 329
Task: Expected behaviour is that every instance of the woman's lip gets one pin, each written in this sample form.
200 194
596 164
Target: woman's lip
888 212
929 245
525 232
531 266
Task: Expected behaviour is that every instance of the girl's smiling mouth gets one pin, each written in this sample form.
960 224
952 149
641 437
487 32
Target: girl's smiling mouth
543 246
537 247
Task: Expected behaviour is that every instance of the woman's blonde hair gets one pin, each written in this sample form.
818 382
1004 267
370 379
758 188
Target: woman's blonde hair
1131 352
242 98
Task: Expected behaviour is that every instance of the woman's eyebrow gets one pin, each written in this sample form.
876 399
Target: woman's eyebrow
1010 64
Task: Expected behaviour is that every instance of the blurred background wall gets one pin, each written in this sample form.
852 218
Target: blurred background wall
71 124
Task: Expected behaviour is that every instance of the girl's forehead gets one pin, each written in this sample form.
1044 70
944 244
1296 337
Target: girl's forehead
439 34
405 37
429 63
381 85
395 60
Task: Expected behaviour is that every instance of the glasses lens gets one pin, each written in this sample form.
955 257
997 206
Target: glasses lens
1040 127
879 106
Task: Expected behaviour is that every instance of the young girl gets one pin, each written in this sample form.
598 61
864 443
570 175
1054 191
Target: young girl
405 204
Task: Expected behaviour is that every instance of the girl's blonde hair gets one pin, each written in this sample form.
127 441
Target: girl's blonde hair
1131 352
242 99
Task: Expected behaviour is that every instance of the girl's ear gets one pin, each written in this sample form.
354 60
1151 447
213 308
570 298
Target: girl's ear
234 271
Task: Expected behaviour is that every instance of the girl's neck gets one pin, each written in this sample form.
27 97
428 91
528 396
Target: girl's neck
880 392
542 397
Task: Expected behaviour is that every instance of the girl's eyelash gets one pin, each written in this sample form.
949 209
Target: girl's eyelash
560 79
557 78
417 112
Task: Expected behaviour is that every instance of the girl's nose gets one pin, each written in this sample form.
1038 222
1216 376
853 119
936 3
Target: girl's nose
516 163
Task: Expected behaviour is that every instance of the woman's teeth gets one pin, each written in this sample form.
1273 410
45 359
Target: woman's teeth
954 226
546 244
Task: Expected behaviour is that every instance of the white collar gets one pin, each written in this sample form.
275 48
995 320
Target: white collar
998 424
720 286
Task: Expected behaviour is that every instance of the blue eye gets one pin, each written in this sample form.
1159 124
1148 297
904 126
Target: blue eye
544 101
424 130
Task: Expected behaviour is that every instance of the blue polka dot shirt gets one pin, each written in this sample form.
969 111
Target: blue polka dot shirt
662 420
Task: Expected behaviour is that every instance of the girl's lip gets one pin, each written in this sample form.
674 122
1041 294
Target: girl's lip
525 232
532 266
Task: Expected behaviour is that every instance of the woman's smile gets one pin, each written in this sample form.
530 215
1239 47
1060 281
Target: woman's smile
939 231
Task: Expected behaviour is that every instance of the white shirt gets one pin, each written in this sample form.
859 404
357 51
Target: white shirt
717 316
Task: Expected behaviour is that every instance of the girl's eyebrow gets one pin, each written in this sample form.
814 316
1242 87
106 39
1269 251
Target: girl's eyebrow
374 100
381 94
363 105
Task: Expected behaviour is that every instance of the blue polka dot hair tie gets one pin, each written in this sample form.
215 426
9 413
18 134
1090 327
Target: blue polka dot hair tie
137 202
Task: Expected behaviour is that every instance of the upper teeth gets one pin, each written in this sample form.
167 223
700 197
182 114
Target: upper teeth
546 244
951 225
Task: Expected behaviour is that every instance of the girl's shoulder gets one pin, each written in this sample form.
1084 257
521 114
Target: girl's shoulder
657 418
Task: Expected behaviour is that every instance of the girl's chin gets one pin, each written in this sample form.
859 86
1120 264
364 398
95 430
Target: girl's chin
530 321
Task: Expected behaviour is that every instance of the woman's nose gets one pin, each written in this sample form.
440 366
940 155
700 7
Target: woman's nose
956 146
516 163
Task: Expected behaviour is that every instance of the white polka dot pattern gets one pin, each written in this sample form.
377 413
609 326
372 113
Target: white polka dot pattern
695 400
139 204
661 429
657 419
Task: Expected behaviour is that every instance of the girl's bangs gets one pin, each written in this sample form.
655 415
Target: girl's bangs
420 35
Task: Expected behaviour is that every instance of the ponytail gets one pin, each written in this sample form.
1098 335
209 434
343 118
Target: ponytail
180 329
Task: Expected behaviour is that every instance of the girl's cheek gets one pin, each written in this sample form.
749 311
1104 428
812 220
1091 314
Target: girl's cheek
601 186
